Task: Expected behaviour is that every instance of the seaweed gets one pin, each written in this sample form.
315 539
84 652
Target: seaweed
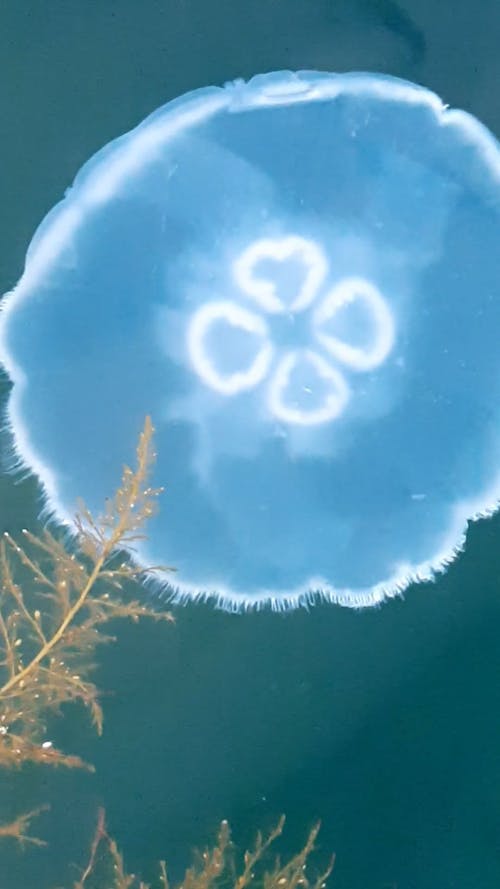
219 866
19 828
76 583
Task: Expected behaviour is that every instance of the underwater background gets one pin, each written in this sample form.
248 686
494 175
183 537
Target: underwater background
382 723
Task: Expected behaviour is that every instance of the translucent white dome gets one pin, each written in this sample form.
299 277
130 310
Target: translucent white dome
298 279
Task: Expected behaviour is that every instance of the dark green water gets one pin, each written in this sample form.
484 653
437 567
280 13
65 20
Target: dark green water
385 724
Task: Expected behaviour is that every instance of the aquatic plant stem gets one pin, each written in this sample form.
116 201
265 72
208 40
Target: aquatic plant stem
47 648
108 546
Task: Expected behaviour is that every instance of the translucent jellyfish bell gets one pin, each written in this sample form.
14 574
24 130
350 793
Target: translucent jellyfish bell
298 279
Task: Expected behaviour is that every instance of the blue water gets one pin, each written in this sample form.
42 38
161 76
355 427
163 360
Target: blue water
385 724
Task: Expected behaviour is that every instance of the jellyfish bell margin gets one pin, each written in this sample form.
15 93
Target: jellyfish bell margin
305 298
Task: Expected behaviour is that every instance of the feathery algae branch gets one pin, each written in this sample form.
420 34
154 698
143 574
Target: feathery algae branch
48 651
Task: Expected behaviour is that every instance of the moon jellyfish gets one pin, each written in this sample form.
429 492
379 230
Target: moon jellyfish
298 279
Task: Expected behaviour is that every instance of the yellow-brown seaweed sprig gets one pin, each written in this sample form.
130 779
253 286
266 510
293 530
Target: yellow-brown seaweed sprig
49 635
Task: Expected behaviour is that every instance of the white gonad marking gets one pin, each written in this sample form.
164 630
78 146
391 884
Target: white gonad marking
345 293
263 290
233 315
334 402
282 393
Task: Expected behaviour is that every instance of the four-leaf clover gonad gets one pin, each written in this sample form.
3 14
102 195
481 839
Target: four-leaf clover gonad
282 369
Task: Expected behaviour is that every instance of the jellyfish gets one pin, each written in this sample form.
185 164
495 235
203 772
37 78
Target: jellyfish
297 277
